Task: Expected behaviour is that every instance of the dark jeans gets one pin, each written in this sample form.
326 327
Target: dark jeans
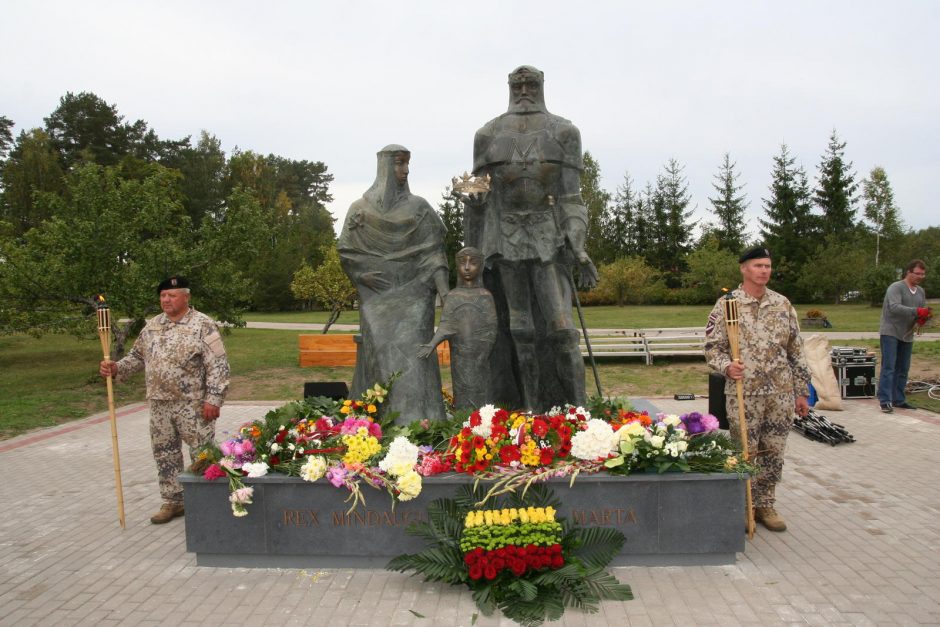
895 362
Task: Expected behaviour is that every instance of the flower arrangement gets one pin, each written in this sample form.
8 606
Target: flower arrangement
517 558
493 438
519 540
689 443
341 441
516 449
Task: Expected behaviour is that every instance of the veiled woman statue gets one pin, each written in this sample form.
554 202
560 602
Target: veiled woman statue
392 249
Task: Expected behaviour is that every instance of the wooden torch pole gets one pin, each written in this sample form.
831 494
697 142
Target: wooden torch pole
104 334
732 321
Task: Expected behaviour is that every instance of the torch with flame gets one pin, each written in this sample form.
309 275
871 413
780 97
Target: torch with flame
104 334
732 320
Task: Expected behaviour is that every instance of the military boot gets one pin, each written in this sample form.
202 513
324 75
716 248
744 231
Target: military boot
168 511
769 517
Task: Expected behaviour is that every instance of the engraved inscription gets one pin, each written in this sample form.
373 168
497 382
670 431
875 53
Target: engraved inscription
604 517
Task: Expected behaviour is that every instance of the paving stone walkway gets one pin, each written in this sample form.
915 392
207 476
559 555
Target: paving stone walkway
863 546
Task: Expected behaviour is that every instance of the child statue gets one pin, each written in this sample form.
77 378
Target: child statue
468 322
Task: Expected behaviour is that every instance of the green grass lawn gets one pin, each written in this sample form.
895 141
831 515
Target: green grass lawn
53 379
844 317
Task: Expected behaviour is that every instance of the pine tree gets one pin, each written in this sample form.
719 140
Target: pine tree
880 209
835 191
728 208
789 230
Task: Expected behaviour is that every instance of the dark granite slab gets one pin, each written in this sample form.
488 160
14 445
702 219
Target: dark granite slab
674 518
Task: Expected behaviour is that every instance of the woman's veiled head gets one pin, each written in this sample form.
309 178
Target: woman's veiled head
391 178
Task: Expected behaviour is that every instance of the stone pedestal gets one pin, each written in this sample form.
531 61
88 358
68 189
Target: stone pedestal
669 519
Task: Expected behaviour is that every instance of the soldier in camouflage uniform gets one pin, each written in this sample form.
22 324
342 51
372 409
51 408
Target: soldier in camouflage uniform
774 372
187 375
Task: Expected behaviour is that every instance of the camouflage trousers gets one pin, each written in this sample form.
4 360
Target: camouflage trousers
769 419
171 424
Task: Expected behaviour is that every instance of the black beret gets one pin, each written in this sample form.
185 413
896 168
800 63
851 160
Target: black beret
758 252
172 283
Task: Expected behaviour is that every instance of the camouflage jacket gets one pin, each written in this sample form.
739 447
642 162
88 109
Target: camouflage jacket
184 360
770 342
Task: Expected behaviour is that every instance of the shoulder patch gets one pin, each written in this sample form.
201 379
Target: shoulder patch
712 321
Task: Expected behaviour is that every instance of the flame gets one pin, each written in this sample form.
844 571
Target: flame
100 298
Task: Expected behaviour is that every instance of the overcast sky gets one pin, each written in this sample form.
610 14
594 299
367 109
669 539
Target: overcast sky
644 81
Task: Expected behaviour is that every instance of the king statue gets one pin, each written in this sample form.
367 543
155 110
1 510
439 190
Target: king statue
531 228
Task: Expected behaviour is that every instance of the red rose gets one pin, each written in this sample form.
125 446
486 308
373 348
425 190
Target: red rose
489 572
499 563
557 561
274 460
476 571
518 567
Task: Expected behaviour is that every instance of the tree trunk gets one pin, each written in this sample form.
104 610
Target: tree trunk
334 316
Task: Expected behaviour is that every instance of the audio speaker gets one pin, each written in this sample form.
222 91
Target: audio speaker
716 398
336 390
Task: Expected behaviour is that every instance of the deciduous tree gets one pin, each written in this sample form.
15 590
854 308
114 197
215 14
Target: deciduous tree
331 287
597 202
880 210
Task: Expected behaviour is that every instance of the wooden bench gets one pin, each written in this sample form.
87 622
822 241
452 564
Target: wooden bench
646 343
626 343
340 350
677 341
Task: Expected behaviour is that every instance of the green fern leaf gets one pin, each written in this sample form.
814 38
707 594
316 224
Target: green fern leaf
596 546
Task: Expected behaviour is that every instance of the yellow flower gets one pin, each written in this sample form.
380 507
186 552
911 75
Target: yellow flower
347 402
371 409
409 485
344 410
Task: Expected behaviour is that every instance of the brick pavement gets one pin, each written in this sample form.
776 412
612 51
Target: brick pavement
863 546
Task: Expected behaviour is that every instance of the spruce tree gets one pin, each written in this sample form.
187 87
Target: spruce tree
671 204
650 224
789 230
620 229
835 190
728 207
451 212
